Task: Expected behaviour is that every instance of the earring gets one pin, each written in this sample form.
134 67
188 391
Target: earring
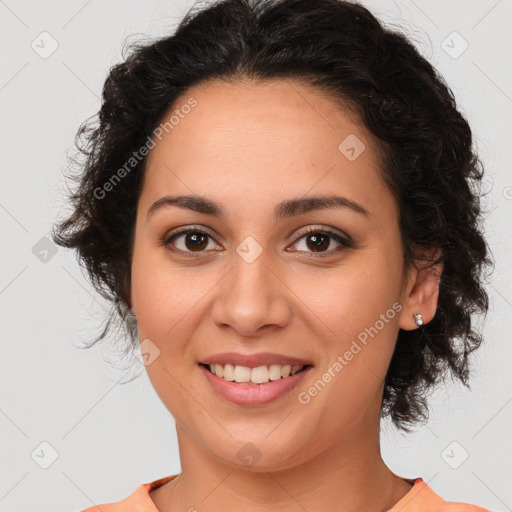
417 318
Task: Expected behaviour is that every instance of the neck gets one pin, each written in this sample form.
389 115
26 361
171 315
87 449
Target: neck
349 475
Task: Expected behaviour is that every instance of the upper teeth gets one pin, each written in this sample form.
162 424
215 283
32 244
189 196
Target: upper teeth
258 375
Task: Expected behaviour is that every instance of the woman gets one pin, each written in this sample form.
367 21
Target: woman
279 201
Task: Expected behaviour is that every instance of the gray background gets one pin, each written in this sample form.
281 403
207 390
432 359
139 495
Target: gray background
107 438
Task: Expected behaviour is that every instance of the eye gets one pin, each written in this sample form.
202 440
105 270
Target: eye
196 241
318 239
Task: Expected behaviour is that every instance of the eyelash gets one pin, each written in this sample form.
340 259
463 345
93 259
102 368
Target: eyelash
345 243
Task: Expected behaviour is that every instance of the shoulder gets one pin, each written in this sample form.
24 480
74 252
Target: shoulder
138 501
421 498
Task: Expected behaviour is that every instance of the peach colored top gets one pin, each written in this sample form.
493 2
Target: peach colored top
421 498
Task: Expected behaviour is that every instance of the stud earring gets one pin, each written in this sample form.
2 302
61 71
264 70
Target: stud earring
417 318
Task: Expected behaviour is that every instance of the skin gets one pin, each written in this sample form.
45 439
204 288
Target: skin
248 146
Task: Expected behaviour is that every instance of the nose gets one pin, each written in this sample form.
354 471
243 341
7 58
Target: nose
252 298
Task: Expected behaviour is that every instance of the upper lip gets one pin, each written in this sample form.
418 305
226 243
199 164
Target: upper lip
254 360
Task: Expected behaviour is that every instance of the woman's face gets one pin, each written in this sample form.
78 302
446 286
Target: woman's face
256 282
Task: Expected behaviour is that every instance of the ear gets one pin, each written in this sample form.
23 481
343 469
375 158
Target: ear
421 292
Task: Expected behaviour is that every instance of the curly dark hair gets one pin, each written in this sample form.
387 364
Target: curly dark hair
425 143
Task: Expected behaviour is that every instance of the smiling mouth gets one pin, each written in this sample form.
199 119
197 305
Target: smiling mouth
260 376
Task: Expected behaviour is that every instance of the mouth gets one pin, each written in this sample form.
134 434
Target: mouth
236 384
254 376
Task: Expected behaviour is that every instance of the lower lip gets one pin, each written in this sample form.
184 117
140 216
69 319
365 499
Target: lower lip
259 394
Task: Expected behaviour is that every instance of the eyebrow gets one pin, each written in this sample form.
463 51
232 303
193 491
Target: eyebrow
285 209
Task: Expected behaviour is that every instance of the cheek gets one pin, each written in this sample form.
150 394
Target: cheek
344 301
353 316
162 301
150 293
162 306
169 301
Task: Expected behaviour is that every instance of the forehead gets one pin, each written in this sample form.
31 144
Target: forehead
263 141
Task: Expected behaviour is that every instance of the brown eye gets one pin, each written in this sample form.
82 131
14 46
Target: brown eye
193 240
319 241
